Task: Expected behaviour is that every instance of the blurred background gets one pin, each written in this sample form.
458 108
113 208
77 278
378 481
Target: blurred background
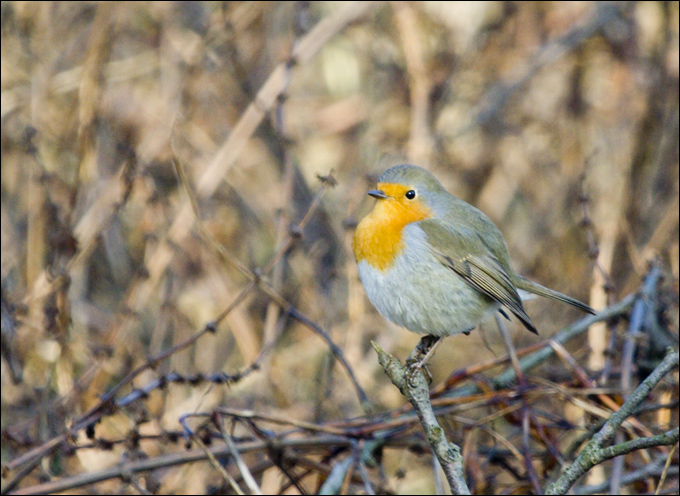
558 119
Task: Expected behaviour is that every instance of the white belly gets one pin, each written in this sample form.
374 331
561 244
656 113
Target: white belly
421 294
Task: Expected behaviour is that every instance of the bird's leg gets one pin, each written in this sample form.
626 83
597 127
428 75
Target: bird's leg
421 355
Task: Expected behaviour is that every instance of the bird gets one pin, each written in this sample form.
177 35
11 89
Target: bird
434 264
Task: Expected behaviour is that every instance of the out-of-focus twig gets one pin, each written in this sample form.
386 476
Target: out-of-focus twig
602 289
420 142
664 474
637 318
526 409
305 48
218 466
533 360
256 279
107 404
583 378
243 468
498 97
171 460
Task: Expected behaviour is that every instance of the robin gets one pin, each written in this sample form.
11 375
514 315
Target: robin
435 264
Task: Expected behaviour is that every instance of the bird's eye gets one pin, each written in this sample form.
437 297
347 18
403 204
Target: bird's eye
410 194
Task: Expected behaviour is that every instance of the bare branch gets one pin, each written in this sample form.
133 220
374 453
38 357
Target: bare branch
593 453
416 390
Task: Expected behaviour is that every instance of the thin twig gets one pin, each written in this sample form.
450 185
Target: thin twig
243 468
526 410
665 470
218 466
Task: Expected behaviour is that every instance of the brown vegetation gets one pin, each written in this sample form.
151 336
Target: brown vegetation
180 307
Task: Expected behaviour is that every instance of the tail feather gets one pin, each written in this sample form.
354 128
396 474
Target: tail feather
539 290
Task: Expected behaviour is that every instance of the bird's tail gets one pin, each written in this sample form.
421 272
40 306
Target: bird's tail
539 290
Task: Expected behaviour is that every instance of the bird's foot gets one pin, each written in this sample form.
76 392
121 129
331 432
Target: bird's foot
420 356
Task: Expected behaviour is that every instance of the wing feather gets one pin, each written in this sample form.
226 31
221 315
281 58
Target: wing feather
479 268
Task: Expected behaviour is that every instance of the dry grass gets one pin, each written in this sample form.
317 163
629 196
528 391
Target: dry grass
559 120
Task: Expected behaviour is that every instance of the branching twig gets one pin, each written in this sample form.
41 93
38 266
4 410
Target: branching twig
414 387
594 453
649 470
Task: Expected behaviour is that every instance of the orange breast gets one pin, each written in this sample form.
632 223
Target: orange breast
378 237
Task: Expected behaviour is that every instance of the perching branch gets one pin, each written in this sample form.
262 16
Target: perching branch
415 388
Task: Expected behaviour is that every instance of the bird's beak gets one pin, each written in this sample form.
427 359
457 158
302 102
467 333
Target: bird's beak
376 193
